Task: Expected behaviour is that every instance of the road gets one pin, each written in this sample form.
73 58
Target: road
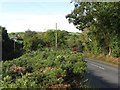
102 75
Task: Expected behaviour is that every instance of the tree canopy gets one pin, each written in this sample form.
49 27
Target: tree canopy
102 19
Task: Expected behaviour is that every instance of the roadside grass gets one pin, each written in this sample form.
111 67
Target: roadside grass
104 58
1 67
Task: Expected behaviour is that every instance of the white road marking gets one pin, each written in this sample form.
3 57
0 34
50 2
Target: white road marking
98 66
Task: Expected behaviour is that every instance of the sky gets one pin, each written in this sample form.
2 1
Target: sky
36 15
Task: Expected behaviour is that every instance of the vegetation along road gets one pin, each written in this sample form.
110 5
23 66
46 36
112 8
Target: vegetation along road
102 75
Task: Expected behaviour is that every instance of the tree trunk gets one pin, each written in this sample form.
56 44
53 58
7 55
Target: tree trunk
110 50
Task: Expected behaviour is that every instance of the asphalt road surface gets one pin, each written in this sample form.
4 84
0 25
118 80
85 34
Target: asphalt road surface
102 75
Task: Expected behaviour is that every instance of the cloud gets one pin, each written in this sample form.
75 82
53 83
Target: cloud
21 22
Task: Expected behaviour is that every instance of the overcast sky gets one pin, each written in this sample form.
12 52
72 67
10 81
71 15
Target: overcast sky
37 15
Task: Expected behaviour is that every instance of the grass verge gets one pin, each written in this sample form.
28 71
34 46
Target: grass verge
104 59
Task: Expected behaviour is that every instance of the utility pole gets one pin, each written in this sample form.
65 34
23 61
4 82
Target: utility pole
56 36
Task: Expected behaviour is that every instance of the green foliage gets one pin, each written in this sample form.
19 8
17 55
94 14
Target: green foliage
48 67
25 82
102 21
50 37
62 37
35 40
31 41
115 45
74 41
19 35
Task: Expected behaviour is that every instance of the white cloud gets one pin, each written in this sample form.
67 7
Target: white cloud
21 22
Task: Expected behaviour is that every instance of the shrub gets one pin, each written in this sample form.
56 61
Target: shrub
44 69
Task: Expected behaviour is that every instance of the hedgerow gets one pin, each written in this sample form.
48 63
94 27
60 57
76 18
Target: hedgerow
45 69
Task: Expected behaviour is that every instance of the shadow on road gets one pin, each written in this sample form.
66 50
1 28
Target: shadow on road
99 82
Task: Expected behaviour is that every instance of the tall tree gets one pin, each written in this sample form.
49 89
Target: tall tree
102 19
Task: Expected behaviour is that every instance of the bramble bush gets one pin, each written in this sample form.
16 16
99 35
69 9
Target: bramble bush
44 69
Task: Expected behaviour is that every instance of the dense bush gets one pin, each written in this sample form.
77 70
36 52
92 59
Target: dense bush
44 69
